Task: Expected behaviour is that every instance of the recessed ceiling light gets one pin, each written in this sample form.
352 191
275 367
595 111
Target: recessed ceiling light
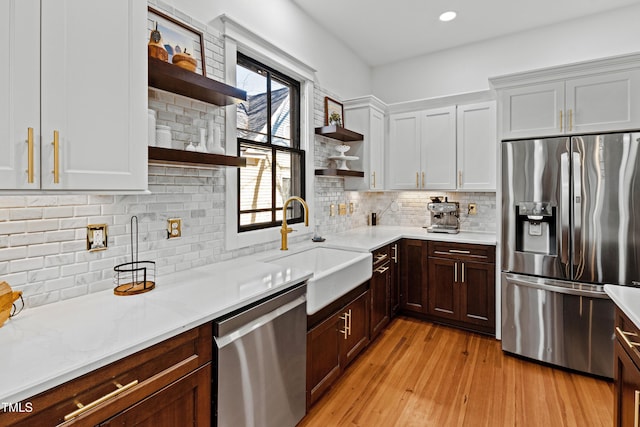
448 16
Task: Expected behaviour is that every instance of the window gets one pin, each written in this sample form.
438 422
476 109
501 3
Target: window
268 129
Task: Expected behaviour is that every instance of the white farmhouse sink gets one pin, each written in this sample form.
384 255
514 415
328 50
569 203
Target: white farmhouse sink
335 272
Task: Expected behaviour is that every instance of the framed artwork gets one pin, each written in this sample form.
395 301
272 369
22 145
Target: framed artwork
96 237
333 112
178 37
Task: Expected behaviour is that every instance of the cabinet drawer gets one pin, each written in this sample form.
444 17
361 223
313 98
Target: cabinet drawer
381 256
628 335
463 251
126 381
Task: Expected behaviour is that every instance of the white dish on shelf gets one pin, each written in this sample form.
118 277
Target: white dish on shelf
341 161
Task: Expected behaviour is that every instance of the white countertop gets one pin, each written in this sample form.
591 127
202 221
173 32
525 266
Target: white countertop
46 346
627 298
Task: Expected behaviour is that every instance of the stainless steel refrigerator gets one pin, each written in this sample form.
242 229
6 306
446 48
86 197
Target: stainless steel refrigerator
571 223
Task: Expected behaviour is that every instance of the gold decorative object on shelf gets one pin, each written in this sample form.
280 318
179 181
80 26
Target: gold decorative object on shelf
155 47
184 60
135 277
7 299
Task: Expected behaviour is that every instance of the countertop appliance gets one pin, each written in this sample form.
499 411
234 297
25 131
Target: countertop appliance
261 351
445 216
570 223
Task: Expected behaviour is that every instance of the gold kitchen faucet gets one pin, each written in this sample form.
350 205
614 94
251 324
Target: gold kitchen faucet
285 230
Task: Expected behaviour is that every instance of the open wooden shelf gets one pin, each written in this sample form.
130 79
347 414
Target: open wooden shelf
170 156
339 172
172 78
339 133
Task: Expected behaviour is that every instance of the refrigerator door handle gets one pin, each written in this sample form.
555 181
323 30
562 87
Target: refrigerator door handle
564 210
578 263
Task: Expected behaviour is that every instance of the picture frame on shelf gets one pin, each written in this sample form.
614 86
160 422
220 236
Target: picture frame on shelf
176 33
333 112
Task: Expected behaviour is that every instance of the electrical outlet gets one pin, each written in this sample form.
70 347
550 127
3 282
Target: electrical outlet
473 209
174 228
352 208
332 210
342 209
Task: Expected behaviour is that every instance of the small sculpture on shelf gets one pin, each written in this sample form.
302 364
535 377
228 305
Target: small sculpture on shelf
156 47
184 60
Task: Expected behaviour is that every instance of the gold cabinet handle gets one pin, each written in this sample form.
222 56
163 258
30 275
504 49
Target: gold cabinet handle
560 120
381 269
374 179
380 257
458 251
625 337
570 120
30 155
347 324
636 415
417 179
56 157
455 272
459 178
395 253
423 180
82 408
462 271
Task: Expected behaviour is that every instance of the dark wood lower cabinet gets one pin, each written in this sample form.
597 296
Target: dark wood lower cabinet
184 402
334 342
462 285
380 289
626 372
413 276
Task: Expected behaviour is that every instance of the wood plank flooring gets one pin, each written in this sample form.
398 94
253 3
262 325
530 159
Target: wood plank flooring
421 374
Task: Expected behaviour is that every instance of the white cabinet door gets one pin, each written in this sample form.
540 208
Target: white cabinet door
477 147
376 165
531 111
20 99
603 103
403 172
438 134
94 94
369 121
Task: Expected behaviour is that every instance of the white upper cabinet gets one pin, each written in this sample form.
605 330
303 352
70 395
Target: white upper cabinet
366 116
89 115
20 99
438 151
448 148
595 96
477 146
404 151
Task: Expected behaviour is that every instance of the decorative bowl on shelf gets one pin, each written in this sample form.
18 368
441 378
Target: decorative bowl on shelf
342 148
185 61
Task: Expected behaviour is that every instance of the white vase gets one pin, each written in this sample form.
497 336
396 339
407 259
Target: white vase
163 136
202 148
214 140
152 127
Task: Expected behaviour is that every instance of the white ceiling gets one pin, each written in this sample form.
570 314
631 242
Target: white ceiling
384 31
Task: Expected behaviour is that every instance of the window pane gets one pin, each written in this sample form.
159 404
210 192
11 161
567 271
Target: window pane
280 113
255 218
255 179
287 167
252 113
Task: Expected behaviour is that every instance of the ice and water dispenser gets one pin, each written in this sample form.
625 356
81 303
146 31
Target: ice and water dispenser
536 228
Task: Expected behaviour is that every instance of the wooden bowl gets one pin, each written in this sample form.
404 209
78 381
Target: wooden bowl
158 51
184 60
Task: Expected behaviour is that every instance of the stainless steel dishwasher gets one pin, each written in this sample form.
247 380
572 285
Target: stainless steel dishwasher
261 353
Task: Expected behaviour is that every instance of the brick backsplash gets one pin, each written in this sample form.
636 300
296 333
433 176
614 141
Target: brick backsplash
43 237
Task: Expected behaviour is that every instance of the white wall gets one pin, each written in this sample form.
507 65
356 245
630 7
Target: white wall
285 25
467 68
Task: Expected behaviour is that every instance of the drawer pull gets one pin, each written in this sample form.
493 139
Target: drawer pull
458 251
347 324
82 408
395 253
382 269
380 257
625 336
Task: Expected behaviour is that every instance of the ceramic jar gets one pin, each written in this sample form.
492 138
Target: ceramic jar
152 127
163 136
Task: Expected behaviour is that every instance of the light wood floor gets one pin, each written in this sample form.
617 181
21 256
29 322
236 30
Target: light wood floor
421 374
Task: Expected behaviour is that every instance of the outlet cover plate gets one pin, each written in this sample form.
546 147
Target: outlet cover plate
174 228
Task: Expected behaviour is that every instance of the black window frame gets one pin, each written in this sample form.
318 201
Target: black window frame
294 121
